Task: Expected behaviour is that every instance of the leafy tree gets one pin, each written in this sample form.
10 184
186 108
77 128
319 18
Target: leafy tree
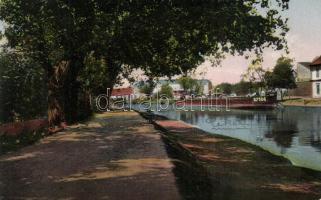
56 34
226 88
22 88
255 74
282 75
166 90
198 88
147 89
164 38
242 87
187 83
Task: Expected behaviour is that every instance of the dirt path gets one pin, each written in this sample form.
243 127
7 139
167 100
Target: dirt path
115 156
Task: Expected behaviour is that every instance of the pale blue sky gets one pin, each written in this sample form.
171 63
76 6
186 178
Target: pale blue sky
304 41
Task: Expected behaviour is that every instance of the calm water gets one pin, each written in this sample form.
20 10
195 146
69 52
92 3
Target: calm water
293 132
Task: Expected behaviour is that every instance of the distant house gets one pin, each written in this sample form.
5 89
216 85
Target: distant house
125 93
178 91
207 86
308 79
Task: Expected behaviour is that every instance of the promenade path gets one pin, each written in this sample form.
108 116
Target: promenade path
114 156
233 169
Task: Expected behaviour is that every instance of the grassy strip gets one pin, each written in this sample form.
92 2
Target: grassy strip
302 102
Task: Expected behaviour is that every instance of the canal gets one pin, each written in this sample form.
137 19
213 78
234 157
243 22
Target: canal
291 132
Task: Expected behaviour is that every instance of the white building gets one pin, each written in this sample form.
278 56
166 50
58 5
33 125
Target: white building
316 77
308 79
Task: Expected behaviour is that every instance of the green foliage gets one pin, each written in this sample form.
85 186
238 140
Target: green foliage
94 76
242 88
166 90
22 88
147 89
187 83
225 88
282 75
12 143
164 38
255 73
198 88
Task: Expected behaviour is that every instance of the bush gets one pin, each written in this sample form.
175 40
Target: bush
23 93
12 142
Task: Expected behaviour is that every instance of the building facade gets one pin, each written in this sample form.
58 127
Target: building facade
316 77
308 79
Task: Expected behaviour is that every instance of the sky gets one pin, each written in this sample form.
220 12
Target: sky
304 41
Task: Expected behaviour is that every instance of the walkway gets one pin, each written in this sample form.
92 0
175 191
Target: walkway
236 170
115 156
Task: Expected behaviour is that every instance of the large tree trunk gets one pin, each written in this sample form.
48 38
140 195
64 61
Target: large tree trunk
71 90
56 74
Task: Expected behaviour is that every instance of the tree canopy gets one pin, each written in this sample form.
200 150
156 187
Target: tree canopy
22 91
282 75
166 91
164 38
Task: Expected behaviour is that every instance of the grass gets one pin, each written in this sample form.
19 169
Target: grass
302 102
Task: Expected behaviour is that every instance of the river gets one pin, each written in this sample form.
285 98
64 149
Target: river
291 132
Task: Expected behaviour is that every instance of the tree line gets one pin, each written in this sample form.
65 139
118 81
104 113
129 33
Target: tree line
255 79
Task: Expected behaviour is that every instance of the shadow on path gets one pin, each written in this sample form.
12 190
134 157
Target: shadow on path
114 156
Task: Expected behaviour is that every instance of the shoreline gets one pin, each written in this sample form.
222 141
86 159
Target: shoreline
301 105
248 170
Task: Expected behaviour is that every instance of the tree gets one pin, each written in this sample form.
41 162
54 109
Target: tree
22 88
164 38
147 89
226 88
198 88
166 90
242 87
187 83
255 74
282 75
56 34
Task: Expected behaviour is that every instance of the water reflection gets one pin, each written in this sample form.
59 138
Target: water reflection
293 132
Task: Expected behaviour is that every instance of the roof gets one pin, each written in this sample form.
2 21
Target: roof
305 64
316 61
122 91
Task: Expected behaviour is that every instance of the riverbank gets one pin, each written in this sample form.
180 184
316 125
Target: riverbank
116 155
303 102
233 169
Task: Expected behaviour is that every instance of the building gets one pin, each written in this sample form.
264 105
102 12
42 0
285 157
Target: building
178 91
303 72
125 93
315 67
207 86
308 78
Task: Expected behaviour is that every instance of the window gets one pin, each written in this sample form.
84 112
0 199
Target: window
318 88
318 72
